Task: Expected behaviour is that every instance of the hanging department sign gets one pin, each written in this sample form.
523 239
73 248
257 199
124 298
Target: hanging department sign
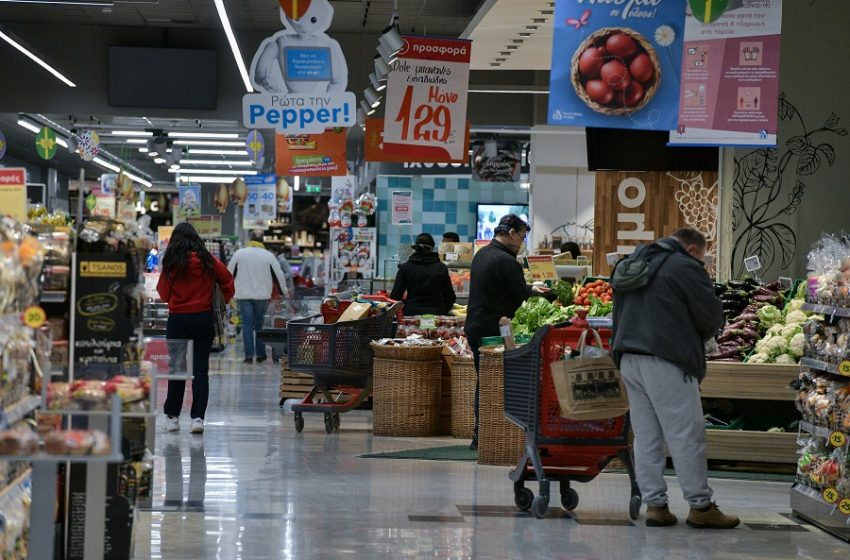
426 97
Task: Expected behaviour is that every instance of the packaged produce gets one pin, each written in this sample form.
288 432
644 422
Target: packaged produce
77 442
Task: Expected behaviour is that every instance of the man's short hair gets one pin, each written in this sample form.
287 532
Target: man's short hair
690 236
256 235
511 222
451 236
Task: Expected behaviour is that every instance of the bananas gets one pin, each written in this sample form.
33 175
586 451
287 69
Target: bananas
458 310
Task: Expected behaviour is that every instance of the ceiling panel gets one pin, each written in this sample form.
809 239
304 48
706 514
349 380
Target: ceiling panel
497 40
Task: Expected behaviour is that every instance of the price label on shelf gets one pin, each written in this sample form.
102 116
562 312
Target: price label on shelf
844 368
837 439
34 317
830 495
844 506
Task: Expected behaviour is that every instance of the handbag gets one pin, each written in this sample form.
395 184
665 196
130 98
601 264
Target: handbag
589 388
219 310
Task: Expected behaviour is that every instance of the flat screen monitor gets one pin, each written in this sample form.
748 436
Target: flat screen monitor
490 214
644 150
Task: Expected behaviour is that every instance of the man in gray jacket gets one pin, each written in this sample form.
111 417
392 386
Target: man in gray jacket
664 311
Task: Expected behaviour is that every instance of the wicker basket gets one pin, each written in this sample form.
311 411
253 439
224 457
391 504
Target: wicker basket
597 37
411 353
406 397
463 397
499 441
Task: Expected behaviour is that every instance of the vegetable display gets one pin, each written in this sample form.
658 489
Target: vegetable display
749 309
783 341
536 312
599 289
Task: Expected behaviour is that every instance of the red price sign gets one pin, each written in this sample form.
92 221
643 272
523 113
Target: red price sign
430 122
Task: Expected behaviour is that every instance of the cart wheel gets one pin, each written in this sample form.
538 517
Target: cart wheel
540 506
329 423
299 422
634 508
282 401
569 498
337 422
523 497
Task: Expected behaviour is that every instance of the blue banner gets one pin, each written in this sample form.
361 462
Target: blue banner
617 63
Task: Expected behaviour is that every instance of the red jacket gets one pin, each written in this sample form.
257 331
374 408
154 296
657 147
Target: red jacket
193 292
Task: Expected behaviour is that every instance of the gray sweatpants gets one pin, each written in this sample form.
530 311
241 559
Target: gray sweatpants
666 406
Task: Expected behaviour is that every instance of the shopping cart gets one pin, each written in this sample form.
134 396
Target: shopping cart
304 303
557 449
339 357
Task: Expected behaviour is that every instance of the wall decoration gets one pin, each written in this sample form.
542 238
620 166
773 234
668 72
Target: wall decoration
45 143
284 196
88 145
238 192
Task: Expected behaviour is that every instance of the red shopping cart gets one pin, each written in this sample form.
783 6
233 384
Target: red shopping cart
557 449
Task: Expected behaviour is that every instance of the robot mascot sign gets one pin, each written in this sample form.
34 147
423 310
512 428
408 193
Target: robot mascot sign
302 74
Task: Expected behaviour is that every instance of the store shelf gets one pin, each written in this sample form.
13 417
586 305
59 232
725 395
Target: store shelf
809 504
766 382
18 480
815 430
827 310
16 412
98 413
758 447
47 458
54 297
819 365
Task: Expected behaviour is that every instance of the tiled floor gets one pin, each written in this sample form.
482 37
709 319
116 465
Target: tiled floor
251 488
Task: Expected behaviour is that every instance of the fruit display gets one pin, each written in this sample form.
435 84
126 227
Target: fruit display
459 310
95 395
616 71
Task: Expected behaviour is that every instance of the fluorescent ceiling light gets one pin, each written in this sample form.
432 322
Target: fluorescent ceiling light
143 150
138 179
234 46
97 3
103 163
35 58
61 142
215 162
217 171
208 143
208 135
153 154
203 179
144 133
217 152
136 141
158 160
29 126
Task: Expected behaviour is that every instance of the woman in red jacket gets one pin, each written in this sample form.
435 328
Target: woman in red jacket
189 274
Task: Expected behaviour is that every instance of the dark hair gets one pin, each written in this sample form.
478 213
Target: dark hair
424 243
690 236
256 235
185 241
509 222
451 236
572 248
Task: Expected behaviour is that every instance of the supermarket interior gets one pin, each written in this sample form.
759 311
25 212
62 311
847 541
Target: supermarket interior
345 279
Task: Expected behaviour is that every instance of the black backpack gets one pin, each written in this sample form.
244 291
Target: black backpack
635 272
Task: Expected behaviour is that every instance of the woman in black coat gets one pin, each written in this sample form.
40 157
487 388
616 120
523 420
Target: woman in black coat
425 280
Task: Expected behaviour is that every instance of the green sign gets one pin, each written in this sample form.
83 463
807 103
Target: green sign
45 143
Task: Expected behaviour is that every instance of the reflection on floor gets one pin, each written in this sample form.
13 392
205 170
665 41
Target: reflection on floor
251 488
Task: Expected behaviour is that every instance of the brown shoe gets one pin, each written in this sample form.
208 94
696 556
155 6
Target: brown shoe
710 517
660 516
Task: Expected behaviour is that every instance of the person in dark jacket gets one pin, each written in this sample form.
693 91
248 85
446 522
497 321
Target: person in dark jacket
425 280
497 288
664 312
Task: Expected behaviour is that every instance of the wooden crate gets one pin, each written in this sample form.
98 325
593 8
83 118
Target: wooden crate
757 447
767 382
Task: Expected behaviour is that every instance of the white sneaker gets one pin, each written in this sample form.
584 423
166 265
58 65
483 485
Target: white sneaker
172 424
197 425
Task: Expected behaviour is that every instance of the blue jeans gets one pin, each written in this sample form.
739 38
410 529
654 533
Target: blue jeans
253 311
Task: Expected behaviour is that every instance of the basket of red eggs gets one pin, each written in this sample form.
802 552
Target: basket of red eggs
615 71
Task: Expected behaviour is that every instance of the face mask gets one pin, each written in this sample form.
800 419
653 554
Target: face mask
522 249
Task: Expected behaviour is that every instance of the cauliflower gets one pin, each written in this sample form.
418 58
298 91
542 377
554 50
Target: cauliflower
785 359
794 305
761 345
758 358
790 330
796 317
775 330
776 345
769 315
797 345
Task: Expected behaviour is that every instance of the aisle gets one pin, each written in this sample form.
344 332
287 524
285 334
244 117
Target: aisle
251 488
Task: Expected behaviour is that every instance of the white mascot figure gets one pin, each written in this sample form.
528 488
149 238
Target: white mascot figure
302 58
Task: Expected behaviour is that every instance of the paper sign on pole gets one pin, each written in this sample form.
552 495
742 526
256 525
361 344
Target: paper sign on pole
402 208
13 192
426 96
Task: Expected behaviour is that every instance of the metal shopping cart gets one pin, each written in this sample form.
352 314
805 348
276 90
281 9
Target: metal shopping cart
304 303
339 357
557 449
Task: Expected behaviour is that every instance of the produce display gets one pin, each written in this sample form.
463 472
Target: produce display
23 441
95 395
436 327
458 310
742 301
783 341
536 312
593 293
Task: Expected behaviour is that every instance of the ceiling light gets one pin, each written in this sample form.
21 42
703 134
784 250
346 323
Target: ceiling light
234 46
202 179
136 141
522 91
97 3
378 85
144 133
158 160
387 55
296 182
361 116
138 179
21 46
369 110
524 34
372 97
219 171
29 126
216 162
175 166
392 38
381 67
217 152
108 165
208 143
143 150
207 135
153 153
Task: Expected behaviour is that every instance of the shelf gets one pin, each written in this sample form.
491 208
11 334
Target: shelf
731 380
16 482
746 445
99 413
47 458
815 430
819 365
808 504
54 297
827 310
16 412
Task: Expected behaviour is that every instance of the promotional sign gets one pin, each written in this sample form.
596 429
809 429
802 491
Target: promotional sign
426 97
616 64
126 211
3 145
311 155
190 201
401 204
353 251
101 202
542 268
730 77
13 192
45 143
255 145
497 161
207 226
378 150
261 203
301 73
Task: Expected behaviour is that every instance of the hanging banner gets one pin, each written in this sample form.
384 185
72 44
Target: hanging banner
497 161
255 145
730 77
3 145
311 155
45 143
190 201
616 64
284 196
377 150
401 205
126 211
426 97
261 203
13 192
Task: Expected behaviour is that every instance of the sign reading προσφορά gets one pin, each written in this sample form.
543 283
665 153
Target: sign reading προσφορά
297 113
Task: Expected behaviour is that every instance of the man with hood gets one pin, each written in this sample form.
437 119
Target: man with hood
425 280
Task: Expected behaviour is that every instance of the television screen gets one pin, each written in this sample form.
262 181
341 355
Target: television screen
490 214
614 149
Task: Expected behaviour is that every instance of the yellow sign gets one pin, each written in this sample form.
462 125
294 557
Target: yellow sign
830 495
542 268
844 368
13 192
34 317
101 269
837 439
844 506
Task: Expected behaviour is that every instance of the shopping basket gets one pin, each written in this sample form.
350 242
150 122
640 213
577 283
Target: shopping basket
339 357
556 448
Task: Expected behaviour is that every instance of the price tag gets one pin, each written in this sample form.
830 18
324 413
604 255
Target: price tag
785 283
837 439
830 495
844 506
452 257
34 317
428 323
844 368
752 264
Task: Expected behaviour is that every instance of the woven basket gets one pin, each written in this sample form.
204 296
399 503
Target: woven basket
596 38
406 397
499 441
412 353
463 397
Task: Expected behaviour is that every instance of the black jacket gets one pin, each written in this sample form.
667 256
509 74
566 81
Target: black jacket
673 316
497 289
427 284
